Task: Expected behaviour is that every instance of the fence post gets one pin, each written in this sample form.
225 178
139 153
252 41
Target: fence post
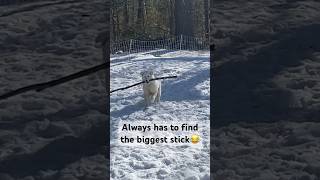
180 41
130 45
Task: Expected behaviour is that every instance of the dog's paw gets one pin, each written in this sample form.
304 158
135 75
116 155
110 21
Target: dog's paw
145 108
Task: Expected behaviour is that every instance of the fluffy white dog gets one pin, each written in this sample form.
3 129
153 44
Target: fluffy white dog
151 89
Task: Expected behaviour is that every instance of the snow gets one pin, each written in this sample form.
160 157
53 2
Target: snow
266 89
42 41
184 100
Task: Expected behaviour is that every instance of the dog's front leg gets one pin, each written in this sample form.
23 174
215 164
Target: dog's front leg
146 100
158 94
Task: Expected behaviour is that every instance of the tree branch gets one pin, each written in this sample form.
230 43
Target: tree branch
167 77
42 86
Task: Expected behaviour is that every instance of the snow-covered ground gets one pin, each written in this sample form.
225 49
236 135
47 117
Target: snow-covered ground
266 90
184 100
58 133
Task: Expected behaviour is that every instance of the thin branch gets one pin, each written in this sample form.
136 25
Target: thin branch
167 77
42 86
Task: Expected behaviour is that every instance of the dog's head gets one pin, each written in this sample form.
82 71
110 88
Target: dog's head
147 75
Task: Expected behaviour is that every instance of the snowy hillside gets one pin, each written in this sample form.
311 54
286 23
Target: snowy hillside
184 100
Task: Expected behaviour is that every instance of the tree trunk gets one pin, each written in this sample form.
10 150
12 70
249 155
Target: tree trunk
140 20
125 18
211 17
113 24
171 17
183 17
118 30
206 17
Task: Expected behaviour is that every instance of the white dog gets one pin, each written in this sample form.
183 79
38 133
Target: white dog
151 89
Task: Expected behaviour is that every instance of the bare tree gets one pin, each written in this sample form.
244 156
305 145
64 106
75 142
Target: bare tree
125 17
153 19
171 17
140 17
206 17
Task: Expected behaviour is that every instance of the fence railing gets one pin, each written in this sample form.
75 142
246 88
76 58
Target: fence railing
175 43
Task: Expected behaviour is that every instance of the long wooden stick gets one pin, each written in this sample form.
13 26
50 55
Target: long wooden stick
167 77
42 86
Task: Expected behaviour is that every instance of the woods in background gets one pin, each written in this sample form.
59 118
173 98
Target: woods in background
157 19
